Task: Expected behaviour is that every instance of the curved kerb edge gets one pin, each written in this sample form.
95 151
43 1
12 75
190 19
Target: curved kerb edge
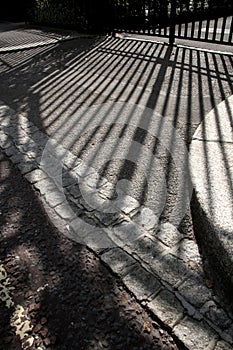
211 167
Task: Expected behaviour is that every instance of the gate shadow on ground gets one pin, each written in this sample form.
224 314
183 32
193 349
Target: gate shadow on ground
61 282
180 84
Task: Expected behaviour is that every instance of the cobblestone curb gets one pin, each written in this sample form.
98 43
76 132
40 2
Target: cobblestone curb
162 268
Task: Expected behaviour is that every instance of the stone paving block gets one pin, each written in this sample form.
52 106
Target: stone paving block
55 148
93 180
16 133
5 121
92 197
32 154
119 261
170 268
40 138
167 307
71 161
195 335
108 190
79 228
68 179
147 249
5 141
141 282
85 233
194 290
146 218
10 130
65 212
30 129
74 204
54 198
45 186
126 203
32 149
187 250
36 175
74 191
98 239
27 167
84 170
17 158
128 232
85 205
222 345
6 112
51 165
10 151
108 219
168 234
216 314
189 309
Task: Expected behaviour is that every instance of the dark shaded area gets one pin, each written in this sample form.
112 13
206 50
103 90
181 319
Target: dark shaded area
71 299
14 10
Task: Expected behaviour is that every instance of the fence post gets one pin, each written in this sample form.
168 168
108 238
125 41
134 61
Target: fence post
172 22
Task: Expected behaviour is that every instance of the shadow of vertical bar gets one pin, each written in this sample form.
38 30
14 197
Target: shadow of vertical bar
215 29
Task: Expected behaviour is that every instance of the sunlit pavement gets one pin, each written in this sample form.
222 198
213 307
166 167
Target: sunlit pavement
127 110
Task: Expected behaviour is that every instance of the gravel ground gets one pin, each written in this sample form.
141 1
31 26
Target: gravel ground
56 294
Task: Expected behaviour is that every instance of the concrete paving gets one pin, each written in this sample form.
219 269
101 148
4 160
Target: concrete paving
18 36
104 137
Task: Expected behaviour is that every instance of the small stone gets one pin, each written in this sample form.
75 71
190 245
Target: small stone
37 328
44 331
47 341
209 283
33 307
43 320
28 294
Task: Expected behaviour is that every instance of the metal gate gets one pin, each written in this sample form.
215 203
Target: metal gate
206 20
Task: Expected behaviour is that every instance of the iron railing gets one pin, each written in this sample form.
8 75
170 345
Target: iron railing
207 20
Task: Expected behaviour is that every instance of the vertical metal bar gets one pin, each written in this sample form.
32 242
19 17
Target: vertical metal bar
179 29
192 30
186 30
172 21
199 30
160 31
144 16
223 29
207 29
